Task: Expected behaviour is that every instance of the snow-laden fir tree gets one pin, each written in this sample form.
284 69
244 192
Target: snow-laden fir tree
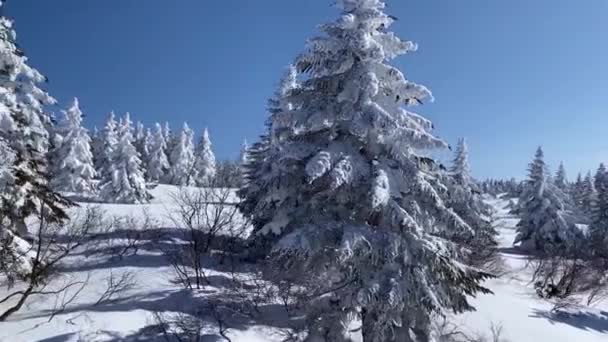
205 161
464 198
127 183
545 224
182 159
598 178
140 134
560 180
74 170
140 142
170 138
598 230
460 170
255 166
109 138
589 194
243 154
577 192
347 195
158 163
147 147
97 148
23 128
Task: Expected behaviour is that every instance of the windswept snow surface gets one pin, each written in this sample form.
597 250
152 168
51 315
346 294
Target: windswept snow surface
129 317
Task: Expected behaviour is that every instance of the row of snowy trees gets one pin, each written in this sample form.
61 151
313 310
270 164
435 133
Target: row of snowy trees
550 208
123 159
346 204
168 158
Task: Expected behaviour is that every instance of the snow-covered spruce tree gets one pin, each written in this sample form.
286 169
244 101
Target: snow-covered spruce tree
464 198
545 225
147 147
589 194
74 170
23 128
560 180
256 167
347 193
141 134
243 153
127 183
460 166
577 192
599 174
97 148
170 139
242 162
158 163
598 230
205 161
182 170
109 138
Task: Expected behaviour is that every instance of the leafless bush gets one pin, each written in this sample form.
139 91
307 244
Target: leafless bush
116 285
446 331
210 221
566 279
194 327
52 243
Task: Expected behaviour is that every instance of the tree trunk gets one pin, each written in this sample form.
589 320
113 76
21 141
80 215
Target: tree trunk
6 314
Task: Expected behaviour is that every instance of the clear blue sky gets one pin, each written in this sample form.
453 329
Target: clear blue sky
508 75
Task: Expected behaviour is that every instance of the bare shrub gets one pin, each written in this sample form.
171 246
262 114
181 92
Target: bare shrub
566 279
52 243
446 331
195 327
210 222
116 285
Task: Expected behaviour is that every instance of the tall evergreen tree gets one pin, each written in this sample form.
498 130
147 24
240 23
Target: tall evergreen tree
183 172
589 194
577 191
545 225
73 169
127 183
561 181
170 139
460 166
110 140
347 194
97 148
158 163
141 134
205 161
599 174
146 150
598 230
464 198
255 167
23 129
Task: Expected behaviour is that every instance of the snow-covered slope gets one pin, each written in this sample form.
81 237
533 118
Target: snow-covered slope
516 307
129 317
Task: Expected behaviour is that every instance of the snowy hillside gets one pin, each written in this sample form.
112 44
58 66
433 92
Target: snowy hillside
130 315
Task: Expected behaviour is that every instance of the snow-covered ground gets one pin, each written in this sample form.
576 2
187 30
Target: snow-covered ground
128 317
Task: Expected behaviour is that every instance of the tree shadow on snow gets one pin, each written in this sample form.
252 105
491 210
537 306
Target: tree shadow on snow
580 319
199 303
58 338
151 246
